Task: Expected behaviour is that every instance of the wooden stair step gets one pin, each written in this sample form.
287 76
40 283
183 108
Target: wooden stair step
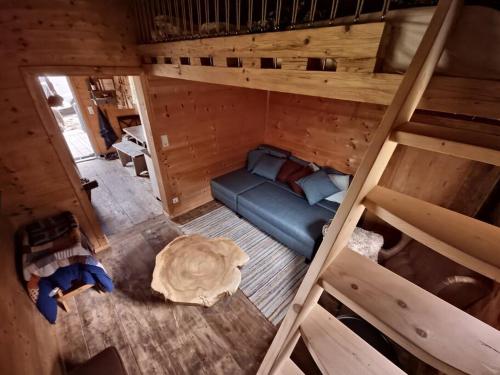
433 330
468 144
289 368
465 240
338 350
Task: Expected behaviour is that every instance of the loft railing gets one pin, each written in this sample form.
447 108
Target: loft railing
170 20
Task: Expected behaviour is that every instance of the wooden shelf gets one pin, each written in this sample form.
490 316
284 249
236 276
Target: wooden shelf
465 240
338 350
289 368
468 144
433 330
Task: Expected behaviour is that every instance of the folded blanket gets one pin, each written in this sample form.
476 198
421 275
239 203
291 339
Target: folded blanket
48 229
66 240
49 264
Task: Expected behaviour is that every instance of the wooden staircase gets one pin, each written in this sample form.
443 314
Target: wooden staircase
436 332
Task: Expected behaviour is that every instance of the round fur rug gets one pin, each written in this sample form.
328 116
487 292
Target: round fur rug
198 270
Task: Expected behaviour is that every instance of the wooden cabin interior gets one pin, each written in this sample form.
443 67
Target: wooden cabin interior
149 223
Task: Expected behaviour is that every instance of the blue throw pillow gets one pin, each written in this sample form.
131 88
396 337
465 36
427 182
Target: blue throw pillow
268 166
317 186
253 157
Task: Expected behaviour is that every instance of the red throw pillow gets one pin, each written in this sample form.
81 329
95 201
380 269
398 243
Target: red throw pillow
303 172
287 169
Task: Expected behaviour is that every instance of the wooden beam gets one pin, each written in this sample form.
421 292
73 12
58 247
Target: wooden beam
433 330
467 144
402 107
338 350
353 42
465 240
444 94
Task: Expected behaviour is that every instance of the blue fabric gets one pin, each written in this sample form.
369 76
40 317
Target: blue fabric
275 151
253 157
64 278
317 186
268 166
297 160
226 188
328 205
287 213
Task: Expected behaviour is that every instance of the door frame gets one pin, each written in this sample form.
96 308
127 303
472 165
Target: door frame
89 221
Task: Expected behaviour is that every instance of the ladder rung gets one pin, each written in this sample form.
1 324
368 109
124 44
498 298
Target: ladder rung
433 330
338 350
463 239
289 368
467 144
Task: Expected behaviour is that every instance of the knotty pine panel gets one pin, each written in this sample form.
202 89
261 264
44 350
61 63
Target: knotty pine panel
41 33
210 130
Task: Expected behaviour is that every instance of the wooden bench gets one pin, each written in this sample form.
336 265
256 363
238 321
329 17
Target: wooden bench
131 152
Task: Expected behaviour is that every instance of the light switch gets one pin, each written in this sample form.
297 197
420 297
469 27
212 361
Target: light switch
90 109
164 141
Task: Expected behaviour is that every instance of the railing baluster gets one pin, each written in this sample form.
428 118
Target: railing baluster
333 11
184 19
294 13
170 17
250 15
177 16
207 15
359 9
263 14
198 7
227 16
238 16
312 11
385 8
138 21
190 8
277 15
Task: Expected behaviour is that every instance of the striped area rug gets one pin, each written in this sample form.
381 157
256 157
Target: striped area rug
273 273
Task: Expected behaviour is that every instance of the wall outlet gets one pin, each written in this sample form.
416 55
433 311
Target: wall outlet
175 200
164 141
90 109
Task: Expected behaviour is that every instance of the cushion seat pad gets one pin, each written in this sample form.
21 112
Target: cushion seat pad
287 212
226 188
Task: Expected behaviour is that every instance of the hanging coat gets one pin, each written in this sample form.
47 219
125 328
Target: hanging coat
105 129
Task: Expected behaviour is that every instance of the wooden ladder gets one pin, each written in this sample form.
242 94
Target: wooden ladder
436 332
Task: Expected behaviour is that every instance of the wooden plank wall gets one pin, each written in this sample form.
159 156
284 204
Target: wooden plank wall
28 341
210 129
337 133
82 95
58 32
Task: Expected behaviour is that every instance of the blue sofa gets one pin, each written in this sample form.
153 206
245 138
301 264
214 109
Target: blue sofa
275 209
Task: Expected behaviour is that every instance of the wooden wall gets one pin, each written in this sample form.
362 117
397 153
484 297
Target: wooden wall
28 341
210 129
59 32
82 96
337 133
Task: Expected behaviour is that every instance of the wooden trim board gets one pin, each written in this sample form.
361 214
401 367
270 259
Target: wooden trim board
444 94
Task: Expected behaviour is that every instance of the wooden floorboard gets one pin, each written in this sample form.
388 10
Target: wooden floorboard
154 336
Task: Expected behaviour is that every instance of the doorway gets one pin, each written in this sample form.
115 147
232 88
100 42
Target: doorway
61 99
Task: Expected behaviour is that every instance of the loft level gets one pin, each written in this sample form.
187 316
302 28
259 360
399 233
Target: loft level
330 62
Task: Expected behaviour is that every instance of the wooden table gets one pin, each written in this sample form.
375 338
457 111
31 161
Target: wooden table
193 269
131 152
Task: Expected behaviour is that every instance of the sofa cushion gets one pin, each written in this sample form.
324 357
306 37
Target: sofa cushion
317 186
287 169
268 166
226 188
294 177
329 205
275 151
288 212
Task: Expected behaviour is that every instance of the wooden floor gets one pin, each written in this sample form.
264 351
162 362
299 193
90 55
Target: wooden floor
152 336
121 200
